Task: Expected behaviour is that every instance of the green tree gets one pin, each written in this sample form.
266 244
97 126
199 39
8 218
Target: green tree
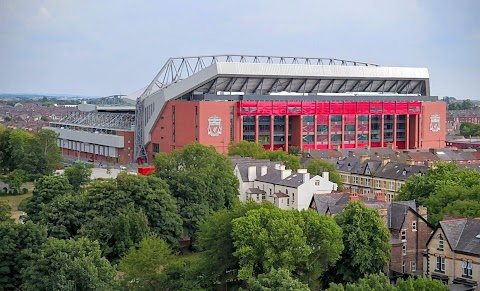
201 180
269 238
18 243
18 147
442 190
43 153
4 149
216 241
78 174
15 179
370 282
293 150
366 241
5 214
69 265
143 267
468 129
317 167
420 284
46 189
117 234
245 149
276 280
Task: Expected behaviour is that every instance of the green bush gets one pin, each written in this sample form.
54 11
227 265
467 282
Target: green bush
24 190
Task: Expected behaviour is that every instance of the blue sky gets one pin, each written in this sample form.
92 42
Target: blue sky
102 47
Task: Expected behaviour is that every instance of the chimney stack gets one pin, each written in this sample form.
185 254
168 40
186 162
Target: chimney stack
410 162
385 160
422 210
285 173
252 173
353 197
351 154
364 158
263 170
380 196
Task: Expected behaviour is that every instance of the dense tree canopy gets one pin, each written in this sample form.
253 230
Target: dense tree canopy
15 179
464 105
5 209
445 190
201 180
302 242
251 149
381 282
318 166
276 280
78 174
69 265
469 129
18 242
366 241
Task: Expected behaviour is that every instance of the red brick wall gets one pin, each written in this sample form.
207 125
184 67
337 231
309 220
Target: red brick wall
126 154
428 138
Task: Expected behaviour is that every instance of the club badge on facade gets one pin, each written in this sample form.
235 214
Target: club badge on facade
435 123
214 126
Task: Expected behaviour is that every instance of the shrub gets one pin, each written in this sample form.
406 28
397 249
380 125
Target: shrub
24 190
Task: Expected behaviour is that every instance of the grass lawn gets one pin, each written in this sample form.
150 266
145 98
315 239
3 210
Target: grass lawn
14 200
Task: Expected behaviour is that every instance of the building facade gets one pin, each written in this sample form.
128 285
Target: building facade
453 254
280 102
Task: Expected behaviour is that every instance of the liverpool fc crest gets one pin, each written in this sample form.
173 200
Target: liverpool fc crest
435 123
214 126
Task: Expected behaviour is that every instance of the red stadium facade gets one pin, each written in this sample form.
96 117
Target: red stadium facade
284 105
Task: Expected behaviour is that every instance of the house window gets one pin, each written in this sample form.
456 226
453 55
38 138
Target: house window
317 182
288 201
355 180
413 267
367 171
403 267
440 264
467 269
367 182
414 226
377 183
404 234
156 148
440 243
263 196
270 192
258 197
404 249
392 185
293 197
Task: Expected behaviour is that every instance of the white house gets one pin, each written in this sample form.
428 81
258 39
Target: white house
265 180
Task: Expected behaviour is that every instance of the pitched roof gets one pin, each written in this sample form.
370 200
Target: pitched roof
399 171
463 234
244 163
280 194
275 177
255 191
334 203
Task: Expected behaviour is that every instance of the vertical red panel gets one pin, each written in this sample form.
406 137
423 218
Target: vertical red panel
389 107
294 108
323 108
349 119
363 107
264 108
322 119
401 107
376 107
308 108
336 107
414 107
279 107
350 107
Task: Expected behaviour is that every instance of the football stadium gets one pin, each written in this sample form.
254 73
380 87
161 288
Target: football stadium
278 102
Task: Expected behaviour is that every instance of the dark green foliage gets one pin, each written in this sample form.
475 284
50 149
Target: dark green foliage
445 190
303 242
381 282
185 273
367 243
119 233
469 129
46 189
254 150
276 280
78 174
18 243
293 150
5 214
464 105
317 167
69 265
15 179
201 180
216 241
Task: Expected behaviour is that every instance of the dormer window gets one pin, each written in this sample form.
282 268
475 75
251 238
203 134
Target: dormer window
440 243
367 171
404 172
349 167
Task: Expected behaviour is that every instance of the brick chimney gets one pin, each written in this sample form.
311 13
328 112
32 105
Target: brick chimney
364 158
410 162
385 160
383 213
354 197
380 196
422 210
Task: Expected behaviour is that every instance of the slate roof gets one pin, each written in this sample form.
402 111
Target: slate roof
334 203
275 177
280 194
255 191
244 163
399 171
462 235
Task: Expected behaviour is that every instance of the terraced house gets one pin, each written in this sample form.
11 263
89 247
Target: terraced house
365 176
